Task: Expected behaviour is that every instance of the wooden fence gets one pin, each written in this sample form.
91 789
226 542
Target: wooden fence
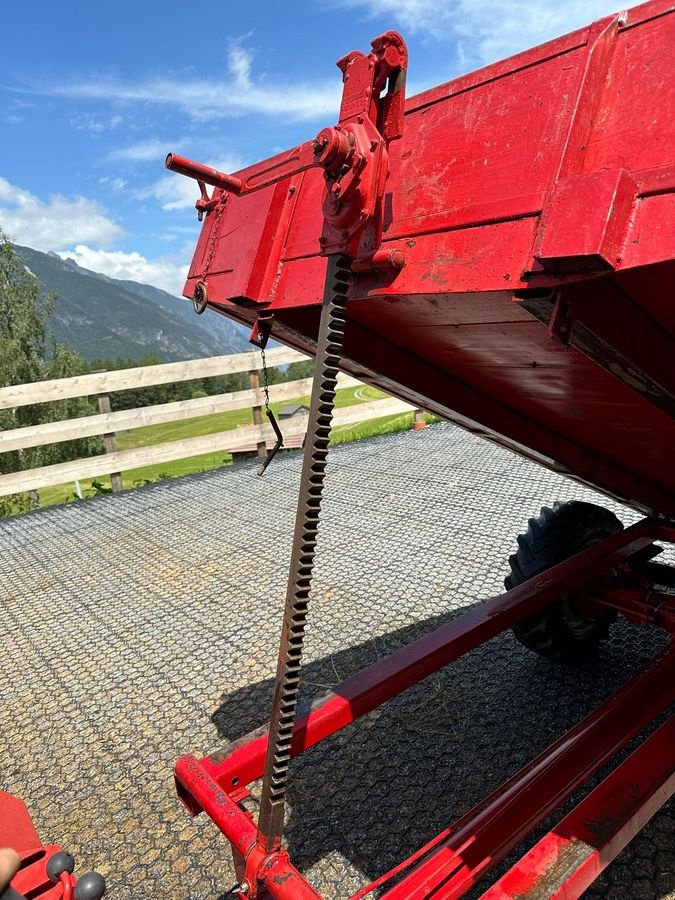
107 423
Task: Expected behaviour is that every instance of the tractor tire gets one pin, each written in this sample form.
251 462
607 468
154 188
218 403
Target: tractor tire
559 632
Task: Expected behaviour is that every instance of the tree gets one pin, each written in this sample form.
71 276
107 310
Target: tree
299 370
29 354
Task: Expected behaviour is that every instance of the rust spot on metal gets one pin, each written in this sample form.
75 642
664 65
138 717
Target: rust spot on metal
569 859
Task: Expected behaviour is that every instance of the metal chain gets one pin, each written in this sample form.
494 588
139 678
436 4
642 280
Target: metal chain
215 231
266 385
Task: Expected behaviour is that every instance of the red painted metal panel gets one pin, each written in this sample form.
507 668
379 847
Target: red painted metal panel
565 152
16 826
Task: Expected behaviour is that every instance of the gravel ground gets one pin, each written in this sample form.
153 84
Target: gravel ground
142 626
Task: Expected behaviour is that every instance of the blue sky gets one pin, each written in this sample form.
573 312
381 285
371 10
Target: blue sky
93 95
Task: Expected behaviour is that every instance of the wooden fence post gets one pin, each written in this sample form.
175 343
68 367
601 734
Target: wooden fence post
419 422
109 441
254 382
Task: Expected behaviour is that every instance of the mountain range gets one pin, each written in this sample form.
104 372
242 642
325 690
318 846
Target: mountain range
105 318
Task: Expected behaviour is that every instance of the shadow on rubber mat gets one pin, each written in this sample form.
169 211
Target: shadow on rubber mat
379 789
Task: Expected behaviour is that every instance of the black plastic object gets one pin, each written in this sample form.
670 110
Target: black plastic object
59 862
90 886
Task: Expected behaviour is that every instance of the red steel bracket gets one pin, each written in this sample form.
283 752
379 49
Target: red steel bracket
585 222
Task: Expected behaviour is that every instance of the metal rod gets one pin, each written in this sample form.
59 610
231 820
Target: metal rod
459 857
199 172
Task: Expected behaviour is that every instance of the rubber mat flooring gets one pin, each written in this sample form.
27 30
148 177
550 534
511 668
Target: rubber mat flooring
142 626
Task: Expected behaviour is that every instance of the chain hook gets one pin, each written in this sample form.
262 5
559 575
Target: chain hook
260 335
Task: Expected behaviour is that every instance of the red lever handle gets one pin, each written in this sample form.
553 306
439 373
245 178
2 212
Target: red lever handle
185 166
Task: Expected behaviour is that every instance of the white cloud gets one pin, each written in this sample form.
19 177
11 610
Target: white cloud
96 124
56 223
178 192
240 62
484 30
237 94
161 272
151 150
115 184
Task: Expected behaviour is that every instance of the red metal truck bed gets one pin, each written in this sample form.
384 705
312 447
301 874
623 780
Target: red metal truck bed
544 181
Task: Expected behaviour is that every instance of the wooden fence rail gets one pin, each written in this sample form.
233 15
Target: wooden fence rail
141 376
108 423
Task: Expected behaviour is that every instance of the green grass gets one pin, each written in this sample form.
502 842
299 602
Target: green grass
187 428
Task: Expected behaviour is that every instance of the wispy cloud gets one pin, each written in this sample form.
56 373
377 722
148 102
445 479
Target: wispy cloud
162 272
483 30
15 112
55 223
96 124
113 183
151 150
238 93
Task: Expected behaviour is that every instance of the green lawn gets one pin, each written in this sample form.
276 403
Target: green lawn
173 431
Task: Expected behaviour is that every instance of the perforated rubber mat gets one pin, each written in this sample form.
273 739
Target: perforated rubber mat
138 627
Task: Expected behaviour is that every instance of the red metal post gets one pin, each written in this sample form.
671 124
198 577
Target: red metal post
274 870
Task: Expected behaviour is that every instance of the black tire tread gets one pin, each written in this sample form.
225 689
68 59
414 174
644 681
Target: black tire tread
556 534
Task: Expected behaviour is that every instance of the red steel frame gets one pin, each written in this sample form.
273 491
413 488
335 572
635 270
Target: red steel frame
458 857
570 857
